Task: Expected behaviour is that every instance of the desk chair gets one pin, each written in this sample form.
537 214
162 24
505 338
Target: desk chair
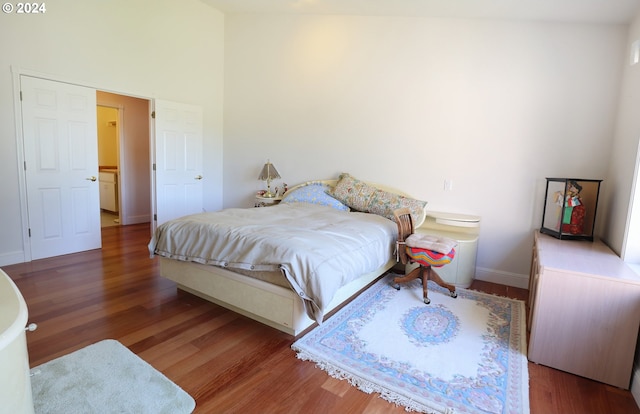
427 251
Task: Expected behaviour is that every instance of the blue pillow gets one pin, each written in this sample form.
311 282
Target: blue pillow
314 194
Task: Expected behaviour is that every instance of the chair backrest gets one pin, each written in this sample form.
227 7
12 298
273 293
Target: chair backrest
405 229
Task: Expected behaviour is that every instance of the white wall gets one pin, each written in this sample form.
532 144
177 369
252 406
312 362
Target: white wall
493 106
169 49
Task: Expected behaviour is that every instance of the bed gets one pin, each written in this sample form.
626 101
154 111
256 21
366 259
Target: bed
290 264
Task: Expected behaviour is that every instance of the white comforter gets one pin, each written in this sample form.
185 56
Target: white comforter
319 249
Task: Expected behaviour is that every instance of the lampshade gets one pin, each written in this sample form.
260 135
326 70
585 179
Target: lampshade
267 174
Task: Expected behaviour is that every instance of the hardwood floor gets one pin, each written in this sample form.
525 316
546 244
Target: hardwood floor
228 363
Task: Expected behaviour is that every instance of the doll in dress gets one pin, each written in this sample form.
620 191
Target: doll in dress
574 212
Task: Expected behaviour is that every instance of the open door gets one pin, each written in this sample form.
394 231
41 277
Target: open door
178 161
61 166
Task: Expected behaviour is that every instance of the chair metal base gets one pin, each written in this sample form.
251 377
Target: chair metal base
425 274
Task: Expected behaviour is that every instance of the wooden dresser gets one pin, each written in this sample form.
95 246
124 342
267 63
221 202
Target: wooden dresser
584 310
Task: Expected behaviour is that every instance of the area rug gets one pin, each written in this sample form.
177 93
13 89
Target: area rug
456 355
105 377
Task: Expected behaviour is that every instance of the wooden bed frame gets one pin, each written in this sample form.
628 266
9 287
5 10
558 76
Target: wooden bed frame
273 305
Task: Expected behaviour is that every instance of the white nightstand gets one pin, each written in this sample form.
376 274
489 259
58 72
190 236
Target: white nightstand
266 201
464 229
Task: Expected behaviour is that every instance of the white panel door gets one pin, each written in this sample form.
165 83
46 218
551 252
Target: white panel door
178 158
61 161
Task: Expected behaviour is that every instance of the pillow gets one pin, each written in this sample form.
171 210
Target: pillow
383 203
353 192
363 197
314 194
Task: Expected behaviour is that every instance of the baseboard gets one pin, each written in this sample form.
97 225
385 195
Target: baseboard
635 385
12 258
503 278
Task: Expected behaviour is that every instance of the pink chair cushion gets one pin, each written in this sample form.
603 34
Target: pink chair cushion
426 257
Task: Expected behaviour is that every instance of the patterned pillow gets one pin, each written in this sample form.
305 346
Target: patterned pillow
314 194
363 197
353 192
384 203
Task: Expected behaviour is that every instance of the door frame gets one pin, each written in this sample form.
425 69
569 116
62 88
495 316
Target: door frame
16 73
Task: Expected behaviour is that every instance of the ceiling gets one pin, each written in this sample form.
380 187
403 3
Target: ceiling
588 11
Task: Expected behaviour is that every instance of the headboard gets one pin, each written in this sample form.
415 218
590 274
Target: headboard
332 182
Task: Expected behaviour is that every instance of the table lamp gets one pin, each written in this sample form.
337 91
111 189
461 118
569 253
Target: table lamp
267 174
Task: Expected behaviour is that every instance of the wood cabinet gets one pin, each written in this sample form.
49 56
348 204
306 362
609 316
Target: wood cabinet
584 310
109 191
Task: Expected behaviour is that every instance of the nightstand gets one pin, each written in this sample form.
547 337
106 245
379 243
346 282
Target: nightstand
464 229
266 201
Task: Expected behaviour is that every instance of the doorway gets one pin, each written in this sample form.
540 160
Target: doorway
108 125
51 228
124 158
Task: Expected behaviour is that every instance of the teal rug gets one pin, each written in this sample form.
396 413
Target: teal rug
462 355
105 378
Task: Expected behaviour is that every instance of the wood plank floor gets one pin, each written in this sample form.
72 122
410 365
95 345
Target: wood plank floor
228 363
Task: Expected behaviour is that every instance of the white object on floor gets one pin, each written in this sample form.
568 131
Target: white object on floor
15 384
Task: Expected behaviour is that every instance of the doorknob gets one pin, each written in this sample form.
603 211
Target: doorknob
92 178
198 177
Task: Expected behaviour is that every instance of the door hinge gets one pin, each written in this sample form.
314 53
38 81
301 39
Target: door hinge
154 166
153 114
29 231
25 166
21 95
155 217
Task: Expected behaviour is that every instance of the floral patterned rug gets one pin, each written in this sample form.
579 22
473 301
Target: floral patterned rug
456 355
